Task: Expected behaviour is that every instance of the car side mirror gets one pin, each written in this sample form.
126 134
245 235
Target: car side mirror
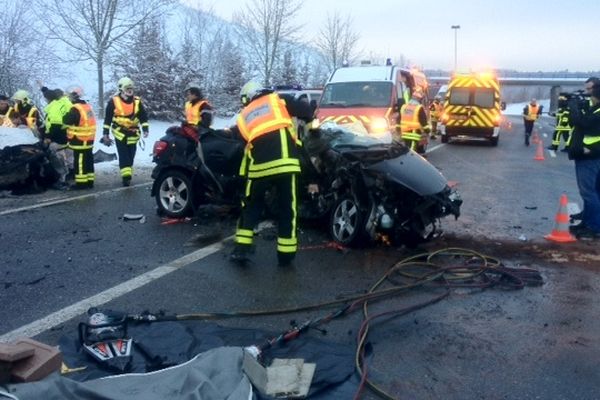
503 105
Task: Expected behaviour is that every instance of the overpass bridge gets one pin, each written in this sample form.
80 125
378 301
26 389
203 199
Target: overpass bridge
555 84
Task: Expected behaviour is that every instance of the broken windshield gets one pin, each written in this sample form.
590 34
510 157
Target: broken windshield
357 94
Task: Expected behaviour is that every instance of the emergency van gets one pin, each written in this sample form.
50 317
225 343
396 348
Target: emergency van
370 95
472 107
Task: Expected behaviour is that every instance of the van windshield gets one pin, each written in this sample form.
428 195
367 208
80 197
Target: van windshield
480 97
357 94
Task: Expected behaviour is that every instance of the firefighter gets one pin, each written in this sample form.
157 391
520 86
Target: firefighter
124 115
56 133
435 111
271 160
414 126
531 113
26 114
198 112
5 112
81 132
563 124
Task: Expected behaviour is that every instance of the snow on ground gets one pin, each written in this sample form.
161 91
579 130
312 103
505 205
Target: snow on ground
517 108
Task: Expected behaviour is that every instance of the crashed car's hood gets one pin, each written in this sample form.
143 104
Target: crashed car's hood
412 171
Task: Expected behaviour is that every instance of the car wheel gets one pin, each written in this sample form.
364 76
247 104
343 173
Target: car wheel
174 194
494 141
346 224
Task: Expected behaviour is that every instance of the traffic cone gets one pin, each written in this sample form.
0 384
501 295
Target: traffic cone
561 233
539 152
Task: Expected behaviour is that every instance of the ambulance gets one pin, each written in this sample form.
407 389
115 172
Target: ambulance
472 107
369 95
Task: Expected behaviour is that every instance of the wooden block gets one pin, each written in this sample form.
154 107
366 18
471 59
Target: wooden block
45 360
12 352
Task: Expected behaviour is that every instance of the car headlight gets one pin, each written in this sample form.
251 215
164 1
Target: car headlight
379 125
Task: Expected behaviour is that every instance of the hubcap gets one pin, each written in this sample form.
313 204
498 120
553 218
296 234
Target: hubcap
174 194
345 220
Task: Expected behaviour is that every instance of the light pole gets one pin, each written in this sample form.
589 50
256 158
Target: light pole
456 28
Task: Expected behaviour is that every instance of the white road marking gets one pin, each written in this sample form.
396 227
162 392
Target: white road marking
430 149
81 307
48 203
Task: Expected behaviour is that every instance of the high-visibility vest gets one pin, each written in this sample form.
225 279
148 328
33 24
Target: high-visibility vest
82 136
563 120
410 127
593 138
268 115
30 118
192 112
532 112
126 114
436 111
56 110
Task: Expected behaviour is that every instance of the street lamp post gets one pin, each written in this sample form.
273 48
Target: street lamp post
456 28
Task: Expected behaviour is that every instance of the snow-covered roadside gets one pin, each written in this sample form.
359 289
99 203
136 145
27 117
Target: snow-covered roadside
517 108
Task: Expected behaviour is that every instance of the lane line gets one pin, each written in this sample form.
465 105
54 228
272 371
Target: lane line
430 149
81 307
68 199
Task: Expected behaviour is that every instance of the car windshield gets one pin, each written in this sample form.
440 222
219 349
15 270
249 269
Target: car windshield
480 97
352 135
357 94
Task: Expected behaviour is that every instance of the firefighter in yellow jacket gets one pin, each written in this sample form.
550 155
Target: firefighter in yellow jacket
81 132
271 159
414 126
124 115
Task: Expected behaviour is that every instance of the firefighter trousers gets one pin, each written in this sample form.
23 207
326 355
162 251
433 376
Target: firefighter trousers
126 152
83 162
252 208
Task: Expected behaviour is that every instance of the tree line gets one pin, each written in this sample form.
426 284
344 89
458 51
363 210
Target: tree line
163 46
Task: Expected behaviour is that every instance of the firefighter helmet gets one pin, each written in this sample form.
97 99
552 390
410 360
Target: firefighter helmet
125 83
250 90
21 95
75 92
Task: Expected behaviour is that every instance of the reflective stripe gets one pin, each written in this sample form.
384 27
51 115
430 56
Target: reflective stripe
244 236
126 172
126 114
409 118
86 130
532 112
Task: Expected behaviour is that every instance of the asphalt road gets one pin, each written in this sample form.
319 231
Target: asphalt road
539 342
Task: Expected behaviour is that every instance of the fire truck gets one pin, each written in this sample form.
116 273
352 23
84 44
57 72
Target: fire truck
370 95
472 107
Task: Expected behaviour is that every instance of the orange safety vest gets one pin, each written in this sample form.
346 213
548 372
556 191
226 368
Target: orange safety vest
126 114
410 127
436 111
264 115
82 136
192 112
532 112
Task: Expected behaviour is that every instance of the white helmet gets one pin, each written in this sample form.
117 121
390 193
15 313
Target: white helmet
250 90
21 95
75 92
125 83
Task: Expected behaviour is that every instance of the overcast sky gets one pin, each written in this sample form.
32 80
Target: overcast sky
527 35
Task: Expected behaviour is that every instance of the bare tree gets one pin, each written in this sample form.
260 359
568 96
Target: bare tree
20 45
263 25
337 40
92 28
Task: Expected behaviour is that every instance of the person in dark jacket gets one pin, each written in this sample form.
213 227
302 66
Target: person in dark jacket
55 136
198 111
271 159
584 148
124 115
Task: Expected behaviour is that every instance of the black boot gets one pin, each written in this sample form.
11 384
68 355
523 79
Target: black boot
285 259
239 255
126 181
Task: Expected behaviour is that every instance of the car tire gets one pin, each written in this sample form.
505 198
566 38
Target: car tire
494 141
174 194
346 224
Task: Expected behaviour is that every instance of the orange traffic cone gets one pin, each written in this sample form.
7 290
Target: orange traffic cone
561 233
539 152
